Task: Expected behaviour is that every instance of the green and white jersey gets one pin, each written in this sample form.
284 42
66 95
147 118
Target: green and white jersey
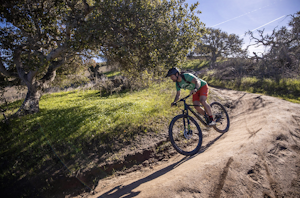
188 85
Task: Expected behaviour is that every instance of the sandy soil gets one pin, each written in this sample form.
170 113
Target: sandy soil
258 157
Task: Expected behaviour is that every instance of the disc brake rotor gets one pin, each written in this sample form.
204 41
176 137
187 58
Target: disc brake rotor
188 134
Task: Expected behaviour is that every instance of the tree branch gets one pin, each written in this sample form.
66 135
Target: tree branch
87 8
4 71
51 72
17 60
56 52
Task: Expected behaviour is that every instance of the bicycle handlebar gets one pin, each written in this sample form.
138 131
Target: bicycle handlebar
182 99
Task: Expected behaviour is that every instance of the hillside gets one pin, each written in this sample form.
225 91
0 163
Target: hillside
258 157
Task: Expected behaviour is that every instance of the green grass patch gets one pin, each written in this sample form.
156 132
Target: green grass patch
78 124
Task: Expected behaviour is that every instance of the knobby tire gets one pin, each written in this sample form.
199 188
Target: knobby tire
221 117
182 144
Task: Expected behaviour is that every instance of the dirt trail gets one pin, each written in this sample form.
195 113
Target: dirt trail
258 157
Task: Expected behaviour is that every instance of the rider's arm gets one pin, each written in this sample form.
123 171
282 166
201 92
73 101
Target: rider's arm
177 96
197 85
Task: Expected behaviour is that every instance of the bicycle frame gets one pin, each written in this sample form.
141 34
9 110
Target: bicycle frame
187 108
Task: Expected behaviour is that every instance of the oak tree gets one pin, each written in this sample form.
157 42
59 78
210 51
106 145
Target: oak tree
216 43
37 37
281 58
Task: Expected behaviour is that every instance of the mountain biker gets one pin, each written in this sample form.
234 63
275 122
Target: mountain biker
198 88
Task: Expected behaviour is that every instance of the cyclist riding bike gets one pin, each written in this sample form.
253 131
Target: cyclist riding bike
198 88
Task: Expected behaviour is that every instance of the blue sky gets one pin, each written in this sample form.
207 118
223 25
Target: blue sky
239 16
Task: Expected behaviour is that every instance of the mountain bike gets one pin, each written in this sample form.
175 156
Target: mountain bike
185 133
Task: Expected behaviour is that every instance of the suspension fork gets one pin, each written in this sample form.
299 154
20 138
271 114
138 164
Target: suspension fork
185 112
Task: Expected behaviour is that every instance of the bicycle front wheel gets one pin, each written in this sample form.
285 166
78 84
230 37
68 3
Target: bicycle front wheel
185 135
221 117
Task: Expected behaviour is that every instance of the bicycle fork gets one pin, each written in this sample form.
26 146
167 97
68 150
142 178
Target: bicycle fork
187 131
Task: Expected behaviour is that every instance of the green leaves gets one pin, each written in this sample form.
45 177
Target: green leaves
150 35
216 43
138 34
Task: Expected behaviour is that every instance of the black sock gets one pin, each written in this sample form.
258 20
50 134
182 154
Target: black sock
211 118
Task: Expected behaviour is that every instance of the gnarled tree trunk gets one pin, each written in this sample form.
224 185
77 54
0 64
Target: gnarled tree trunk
34 86
31 103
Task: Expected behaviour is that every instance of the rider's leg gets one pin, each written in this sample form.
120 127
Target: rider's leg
203 93
200 97
208 110
198 108
205 105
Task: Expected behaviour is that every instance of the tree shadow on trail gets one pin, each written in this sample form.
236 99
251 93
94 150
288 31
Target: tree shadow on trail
127 191
120 191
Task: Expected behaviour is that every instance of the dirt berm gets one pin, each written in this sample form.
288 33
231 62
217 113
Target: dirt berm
258 157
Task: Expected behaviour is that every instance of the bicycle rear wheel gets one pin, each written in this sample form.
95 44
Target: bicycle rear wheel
221 117
186 140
